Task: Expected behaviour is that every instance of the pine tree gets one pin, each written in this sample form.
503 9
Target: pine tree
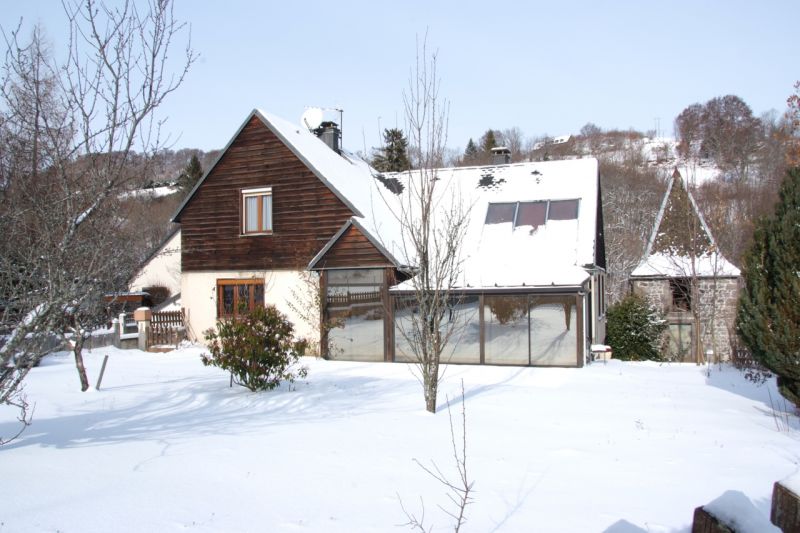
471 152
393 156
488 141
768 318
190 174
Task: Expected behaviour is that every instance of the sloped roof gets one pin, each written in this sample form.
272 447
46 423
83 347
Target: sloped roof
681 244
501 255
498 255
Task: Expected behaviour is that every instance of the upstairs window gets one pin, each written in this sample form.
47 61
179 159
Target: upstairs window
681 289
257 211
238 296
533 214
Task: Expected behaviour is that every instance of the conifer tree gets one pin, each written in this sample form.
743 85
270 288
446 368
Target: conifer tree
471 152
191 173
393 156
488 141
768 318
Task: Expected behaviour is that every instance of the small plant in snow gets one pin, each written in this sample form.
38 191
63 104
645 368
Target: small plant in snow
634 329
258 349
460 491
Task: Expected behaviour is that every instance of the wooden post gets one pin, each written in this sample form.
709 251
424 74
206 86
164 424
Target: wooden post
785 512
102 371
143 316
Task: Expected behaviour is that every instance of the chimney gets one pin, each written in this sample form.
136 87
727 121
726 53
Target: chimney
501 155
330 134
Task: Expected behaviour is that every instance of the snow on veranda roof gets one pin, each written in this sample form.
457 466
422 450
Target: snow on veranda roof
681 244
514 251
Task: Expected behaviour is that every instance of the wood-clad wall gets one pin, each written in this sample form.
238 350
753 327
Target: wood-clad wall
306 214
353 250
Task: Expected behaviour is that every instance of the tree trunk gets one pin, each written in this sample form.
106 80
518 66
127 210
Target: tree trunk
77 350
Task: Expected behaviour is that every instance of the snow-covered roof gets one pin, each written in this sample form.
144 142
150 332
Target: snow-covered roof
680 226
495 255
510 255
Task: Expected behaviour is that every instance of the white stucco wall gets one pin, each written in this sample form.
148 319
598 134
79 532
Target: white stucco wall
199 298
164 268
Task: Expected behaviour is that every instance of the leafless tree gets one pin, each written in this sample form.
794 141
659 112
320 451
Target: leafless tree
514 140
459 492
69 134
630 202
433 220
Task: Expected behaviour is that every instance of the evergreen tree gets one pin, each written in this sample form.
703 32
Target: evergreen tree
471 152
634 329
393 156
488 141
190 174
768 318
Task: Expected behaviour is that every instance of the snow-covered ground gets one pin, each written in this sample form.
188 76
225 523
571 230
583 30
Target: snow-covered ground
166 445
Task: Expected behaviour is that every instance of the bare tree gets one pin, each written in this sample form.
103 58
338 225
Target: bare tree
433 222
69 134
459 492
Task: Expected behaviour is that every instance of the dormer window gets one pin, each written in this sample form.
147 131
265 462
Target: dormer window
257 211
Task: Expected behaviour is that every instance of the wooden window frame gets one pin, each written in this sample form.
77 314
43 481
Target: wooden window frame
259 193
251 304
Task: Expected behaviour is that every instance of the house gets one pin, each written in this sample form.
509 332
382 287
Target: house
162 268
283 203
684 275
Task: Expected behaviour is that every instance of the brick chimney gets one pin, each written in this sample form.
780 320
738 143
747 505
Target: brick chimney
501 155
330 134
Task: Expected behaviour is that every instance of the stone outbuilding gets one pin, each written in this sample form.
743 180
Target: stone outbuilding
684 275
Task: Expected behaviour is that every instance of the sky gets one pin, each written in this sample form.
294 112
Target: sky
544 67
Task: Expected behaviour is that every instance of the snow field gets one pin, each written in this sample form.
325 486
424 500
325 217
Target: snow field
166 445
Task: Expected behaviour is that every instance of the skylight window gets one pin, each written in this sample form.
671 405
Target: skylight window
499 213
532 214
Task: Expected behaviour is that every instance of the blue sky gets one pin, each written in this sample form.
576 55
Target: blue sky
545 67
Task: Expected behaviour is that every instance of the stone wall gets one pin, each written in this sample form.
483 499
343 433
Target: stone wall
717 308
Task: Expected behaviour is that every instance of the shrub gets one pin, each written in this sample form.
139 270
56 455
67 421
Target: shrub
158 294
634 329
258 349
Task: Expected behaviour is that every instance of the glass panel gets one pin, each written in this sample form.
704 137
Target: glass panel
563 210
464 345
251 213
369 276
404 335
506 321
554 331
531 214
258 294
266 223
355 308
243 298
499 213
680 342
227 299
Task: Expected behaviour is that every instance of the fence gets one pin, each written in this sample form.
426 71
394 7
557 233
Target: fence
166 328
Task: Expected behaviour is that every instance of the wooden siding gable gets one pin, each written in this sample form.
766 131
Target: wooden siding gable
260 116
352 247
307 212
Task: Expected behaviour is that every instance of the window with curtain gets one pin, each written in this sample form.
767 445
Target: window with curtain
257 211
